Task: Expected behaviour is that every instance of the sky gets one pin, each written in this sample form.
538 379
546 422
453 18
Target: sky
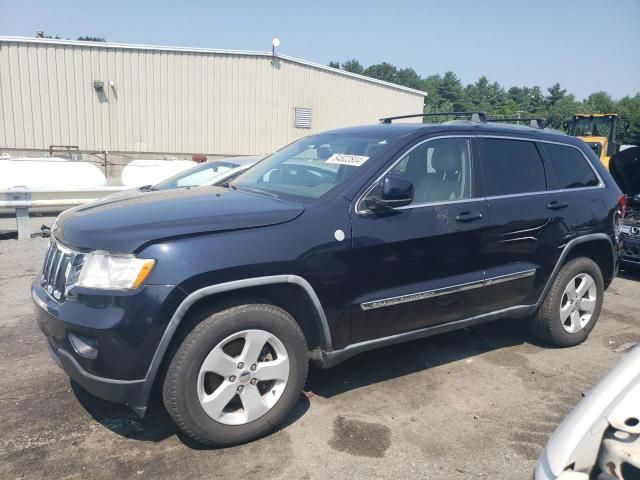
586 45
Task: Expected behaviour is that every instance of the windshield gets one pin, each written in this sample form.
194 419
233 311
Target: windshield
592 127
196 176
310 167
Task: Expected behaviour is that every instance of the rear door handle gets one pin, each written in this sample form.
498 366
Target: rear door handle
555 205
468 217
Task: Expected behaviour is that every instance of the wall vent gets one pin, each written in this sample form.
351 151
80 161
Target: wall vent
302 117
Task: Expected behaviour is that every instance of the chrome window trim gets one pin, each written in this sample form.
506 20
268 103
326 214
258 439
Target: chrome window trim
601 184
358 211
436 292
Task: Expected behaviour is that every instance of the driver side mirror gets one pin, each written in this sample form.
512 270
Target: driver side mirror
612 149
394 191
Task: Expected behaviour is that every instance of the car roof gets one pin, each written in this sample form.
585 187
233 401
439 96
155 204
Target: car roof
403 129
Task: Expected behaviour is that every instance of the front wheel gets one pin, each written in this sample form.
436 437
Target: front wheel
236 375
572 305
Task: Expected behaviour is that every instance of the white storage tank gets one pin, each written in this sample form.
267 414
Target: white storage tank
149 172
49 173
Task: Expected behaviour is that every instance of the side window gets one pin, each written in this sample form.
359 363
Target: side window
570 168
511 167
440 170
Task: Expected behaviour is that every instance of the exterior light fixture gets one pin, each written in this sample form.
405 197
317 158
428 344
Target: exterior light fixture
274 44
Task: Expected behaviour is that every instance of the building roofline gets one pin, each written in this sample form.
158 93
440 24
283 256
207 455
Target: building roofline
263 54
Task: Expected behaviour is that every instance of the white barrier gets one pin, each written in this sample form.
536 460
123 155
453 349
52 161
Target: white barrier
21 200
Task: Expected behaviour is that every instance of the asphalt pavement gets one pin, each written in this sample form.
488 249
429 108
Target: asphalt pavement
476 403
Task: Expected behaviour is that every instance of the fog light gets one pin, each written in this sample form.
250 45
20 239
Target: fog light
84 346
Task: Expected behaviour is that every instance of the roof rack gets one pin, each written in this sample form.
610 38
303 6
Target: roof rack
479 117
533 122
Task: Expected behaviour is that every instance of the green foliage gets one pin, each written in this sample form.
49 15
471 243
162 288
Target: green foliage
382 71
446 93
629 110
353 66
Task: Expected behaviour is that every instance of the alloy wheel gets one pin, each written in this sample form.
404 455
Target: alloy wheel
578 302
243 377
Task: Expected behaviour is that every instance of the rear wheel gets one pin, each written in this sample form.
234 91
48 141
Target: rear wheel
572 305
236 375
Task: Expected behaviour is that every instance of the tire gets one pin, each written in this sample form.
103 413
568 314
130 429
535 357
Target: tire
551 324
189 386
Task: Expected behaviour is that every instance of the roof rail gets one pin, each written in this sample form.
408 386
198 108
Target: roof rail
533 122
479 117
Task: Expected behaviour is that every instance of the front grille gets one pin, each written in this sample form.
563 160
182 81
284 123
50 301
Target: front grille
60 270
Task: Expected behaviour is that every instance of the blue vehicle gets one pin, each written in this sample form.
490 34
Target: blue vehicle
339 243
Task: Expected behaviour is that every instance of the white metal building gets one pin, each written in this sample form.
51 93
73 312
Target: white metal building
168 100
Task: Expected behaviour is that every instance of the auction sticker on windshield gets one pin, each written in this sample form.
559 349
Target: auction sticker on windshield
344 159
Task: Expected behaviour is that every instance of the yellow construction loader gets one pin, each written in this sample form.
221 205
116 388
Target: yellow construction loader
598 130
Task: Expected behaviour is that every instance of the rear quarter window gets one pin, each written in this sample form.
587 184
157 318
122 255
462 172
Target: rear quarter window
511 167
570 168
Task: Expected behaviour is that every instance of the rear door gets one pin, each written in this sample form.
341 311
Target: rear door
528 220
421 265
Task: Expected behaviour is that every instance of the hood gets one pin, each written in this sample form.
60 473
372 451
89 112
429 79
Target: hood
124 224
625 169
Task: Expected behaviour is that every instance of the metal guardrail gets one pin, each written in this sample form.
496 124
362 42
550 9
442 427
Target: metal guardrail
22 201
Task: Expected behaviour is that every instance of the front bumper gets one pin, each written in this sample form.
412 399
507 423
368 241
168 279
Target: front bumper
631 250
105 341
130 392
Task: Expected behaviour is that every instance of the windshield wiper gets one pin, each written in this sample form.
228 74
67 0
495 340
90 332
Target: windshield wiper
259 191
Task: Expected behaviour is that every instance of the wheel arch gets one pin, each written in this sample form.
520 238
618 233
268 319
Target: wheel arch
590 246
284 291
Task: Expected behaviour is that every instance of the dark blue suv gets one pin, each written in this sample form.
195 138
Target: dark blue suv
339 243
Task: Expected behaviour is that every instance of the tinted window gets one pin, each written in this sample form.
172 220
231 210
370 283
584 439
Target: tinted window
511 166
570 168
440 170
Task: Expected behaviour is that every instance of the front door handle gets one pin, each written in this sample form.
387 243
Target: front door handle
468 217
555 205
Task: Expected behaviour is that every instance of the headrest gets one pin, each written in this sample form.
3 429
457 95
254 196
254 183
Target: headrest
324 152
447 156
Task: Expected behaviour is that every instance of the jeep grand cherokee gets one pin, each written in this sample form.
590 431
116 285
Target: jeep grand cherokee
341 242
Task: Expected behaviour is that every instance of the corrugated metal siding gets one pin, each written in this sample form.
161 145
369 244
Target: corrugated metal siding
175 101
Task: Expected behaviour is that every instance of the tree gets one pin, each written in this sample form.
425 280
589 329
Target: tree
353 66
599 102
446 93
484 96
555 95
450 90
409 78
382 71
629 110
562 110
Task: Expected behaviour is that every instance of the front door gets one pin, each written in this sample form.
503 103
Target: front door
421 264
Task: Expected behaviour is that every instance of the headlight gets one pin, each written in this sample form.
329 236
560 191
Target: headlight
114 272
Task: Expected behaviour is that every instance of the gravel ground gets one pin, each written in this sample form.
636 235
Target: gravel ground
477 403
